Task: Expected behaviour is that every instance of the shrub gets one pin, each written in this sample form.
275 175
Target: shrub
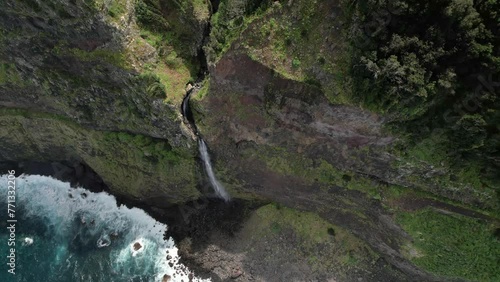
295 63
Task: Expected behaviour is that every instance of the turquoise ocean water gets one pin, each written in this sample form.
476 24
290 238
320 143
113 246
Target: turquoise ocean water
71 234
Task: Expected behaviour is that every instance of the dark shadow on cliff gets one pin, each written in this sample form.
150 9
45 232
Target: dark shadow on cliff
198 219
78 174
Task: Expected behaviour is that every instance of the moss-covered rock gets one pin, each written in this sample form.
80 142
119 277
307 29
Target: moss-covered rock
286 129
97 82
136 167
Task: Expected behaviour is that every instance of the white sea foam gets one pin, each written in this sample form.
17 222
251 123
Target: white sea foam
28 241
100 222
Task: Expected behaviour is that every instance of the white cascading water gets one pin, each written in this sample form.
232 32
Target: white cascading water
72 234
219 189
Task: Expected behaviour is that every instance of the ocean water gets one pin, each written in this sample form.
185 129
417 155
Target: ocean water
70 234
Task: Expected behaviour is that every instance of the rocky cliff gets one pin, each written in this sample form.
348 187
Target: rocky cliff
78 80
100 83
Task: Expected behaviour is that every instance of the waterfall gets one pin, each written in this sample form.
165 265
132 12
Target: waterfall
186 112
219 189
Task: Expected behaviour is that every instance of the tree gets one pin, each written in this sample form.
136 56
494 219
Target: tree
469 132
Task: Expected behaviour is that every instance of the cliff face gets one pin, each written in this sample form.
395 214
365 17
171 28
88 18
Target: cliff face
283 140
280 125
278 91
76 85
74 60
279 111
94 82
135 167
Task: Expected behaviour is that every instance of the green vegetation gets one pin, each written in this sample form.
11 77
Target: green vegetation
293 164
32 114
469 132
320 171
341 249
200 9
114 57
431 66
115 8
124 160
168 27
452 245
231 19
9 74
310 226
297 41
157 150
284 162
203 91
155 88
128 160
467 183
149 15
173 75
295 63
98 56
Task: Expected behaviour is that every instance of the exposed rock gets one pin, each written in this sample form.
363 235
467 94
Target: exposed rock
236 273
72 89
116 157
137 246
81 63
270 120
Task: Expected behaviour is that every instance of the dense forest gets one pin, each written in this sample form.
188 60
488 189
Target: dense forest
434 68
